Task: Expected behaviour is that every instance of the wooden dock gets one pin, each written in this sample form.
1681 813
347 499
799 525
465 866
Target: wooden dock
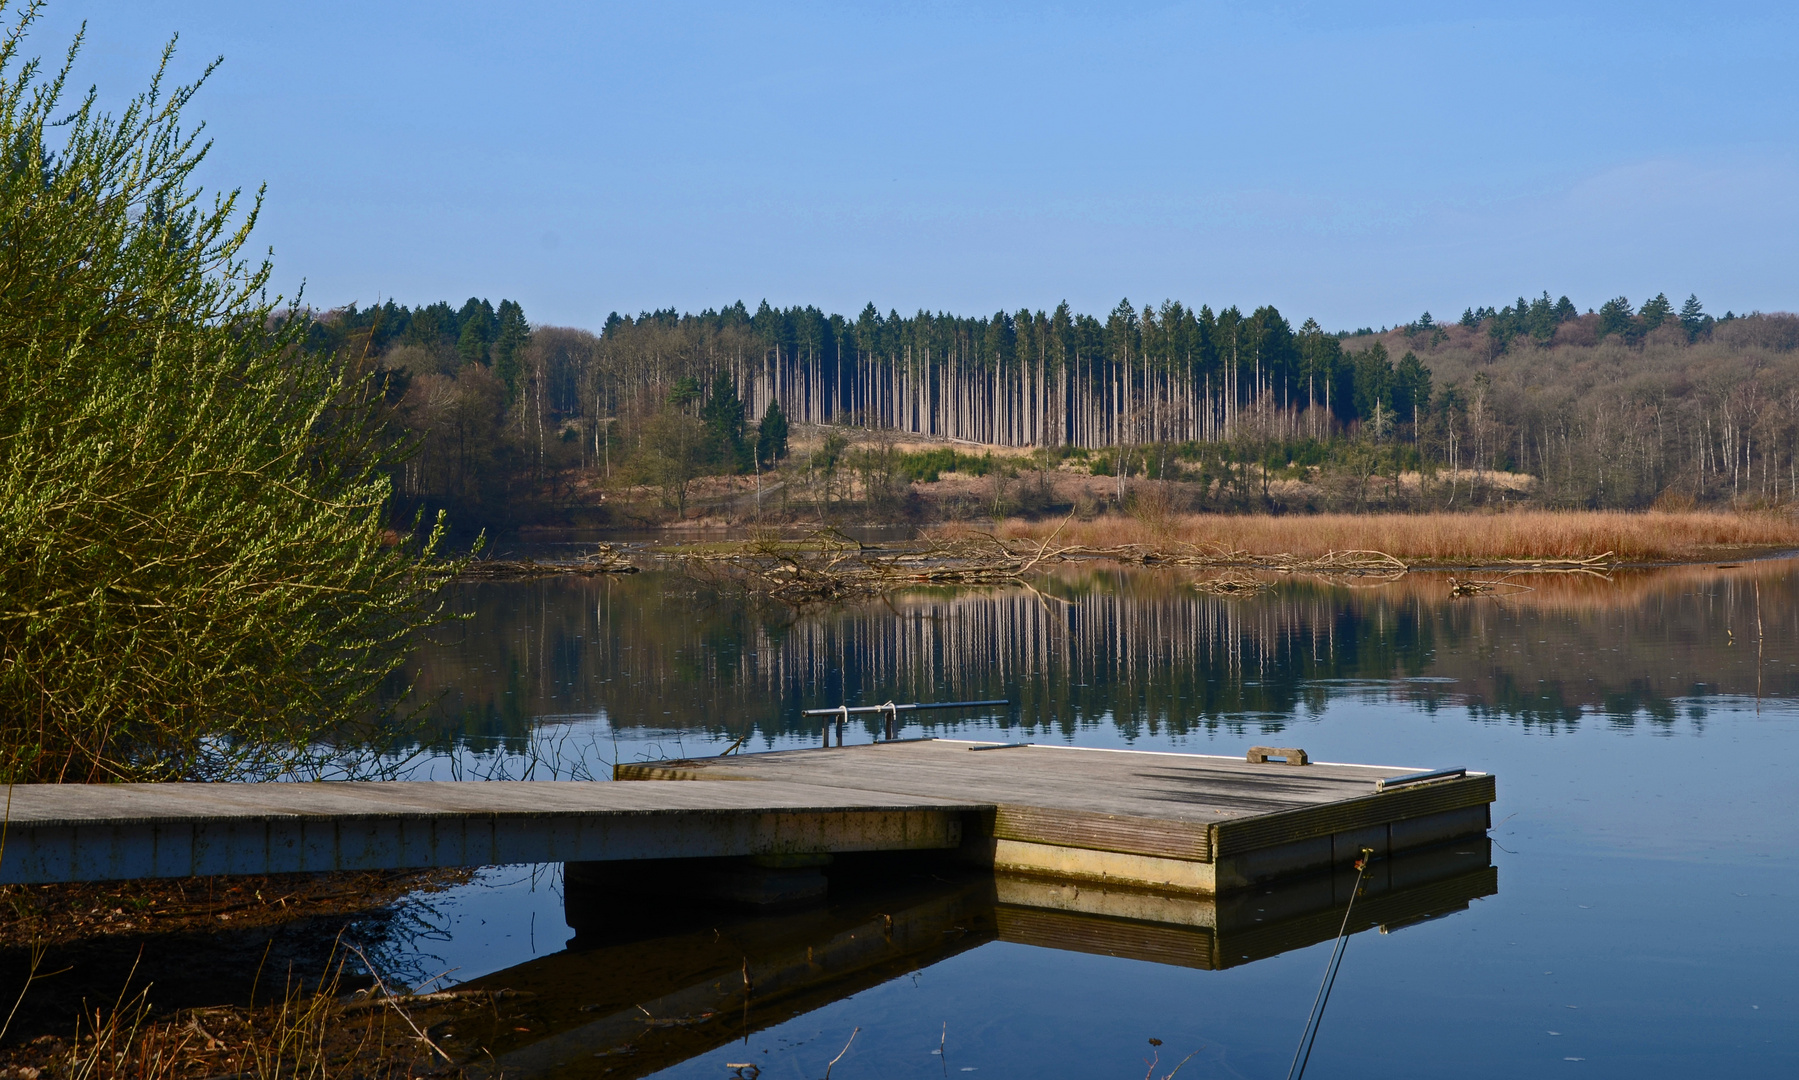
1177 823
1182 822
100 832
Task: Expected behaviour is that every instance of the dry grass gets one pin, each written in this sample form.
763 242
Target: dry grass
307 1033
1448 539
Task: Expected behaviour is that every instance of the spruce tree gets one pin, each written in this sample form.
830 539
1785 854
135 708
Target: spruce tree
471 344
1693 317
723 416
1615 317
771 435
512 333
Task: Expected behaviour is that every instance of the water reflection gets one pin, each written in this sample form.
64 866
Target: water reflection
1140 651
648 983
1664 799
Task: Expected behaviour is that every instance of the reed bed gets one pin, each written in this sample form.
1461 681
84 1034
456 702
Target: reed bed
307 1033
1441 539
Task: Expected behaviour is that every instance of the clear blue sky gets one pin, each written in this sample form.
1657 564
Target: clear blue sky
1356 162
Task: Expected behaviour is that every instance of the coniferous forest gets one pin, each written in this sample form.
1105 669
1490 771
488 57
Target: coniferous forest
1532 401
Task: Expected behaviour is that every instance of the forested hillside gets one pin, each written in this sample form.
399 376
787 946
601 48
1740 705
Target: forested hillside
1618 407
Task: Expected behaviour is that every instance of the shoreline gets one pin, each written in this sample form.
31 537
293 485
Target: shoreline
1512 541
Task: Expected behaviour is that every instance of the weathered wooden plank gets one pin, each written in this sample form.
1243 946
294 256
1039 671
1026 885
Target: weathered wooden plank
1154 786
1103 832
110 832
1269 830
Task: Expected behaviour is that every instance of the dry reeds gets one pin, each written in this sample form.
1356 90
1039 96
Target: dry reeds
306 1034
1537 537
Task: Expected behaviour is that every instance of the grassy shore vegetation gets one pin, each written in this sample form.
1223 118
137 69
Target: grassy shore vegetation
205 977
1453 539
193 579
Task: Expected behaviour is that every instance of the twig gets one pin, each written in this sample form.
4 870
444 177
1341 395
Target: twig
37 959
845 1050
389 998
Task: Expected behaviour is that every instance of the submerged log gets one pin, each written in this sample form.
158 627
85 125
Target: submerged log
604 559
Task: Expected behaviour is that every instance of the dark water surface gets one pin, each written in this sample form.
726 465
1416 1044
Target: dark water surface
1643 730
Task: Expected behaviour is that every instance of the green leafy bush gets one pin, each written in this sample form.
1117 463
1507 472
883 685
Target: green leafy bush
193 578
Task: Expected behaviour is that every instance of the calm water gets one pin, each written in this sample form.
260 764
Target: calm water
1646 839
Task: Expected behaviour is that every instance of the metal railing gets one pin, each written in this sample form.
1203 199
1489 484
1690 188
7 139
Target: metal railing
842 713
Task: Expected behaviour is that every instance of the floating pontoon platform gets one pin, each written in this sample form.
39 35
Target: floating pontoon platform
1189 823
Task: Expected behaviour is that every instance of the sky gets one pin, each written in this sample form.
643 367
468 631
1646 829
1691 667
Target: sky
1359 163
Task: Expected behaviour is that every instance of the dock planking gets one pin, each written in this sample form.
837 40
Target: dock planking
99 832
1183 822
1188 822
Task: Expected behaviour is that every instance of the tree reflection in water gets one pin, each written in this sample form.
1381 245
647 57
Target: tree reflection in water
1141 652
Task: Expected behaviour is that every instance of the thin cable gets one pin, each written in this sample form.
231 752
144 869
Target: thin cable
1322 1005
1309 1035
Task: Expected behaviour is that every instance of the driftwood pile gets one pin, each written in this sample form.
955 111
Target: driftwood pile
830 566
603 559
1599 566
1234 584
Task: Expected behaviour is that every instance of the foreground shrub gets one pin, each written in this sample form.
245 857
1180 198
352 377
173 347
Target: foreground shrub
192 579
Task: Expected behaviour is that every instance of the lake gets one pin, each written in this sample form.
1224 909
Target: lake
1645 841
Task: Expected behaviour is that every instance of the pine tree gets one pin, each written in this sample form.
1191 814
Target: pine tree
771 435
512 334
1411 389
723 416
1693 317
1615 317
471 344
1373 392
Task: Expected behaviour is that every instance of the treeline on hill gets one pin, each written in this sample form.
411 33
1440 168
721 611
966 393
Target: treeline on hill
1532 400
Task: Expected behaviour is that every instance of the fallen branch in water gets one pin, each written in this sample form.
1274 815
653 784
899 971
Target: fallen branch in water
1473 587
1598 565
604 559
828 566
1233 585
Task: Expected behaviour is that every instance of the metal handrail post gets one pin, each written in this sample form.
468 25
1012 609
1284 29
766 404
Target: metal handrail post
842 712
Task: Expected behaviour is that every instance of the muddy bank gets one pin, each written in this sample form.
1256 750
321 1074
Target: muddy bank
191 943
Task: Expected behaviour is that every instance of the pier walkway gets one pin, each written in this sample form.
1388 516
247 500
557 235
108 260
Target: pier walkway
100 832
1187 823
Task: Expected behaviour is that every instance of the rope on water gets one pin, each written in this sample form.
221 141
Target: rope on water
1302 1054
